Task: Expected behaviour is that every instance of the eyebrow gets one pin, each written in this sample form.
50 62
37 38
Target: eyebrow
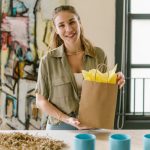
71 19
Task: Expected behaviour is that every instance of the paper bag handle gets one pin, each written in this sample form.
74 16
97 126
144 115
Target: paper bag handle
99 67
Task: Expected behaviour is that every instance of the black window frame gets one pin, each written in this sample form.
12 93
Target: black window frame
131 120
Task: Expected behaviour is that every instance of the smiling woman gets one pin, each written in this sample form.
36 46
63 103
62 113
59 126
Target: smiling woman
68 26
58 89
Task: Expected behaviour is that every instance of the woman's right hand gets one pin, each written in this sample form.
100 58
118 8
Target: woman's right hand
76 123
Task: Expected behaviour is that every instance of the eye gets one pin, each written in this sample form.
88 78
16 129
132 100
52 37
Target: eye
72 22
61 25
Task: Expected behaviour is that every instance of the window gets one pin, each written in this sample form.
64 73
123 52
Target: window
134 60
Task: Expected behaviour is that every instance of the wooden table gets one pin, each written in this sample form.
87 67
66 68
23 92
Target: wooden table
102 142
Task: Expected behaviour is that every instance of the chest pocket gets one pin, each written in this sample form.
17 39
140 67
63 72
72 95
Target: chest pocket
62 88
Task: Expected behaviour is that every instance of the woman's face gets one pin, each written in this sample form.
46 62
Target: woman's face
67 27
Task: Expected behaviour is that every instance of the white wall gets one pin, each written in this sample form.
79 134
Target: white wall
98 19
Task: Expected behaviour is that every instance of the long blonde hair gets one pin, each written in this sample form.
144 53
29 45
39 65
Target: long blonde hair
55 38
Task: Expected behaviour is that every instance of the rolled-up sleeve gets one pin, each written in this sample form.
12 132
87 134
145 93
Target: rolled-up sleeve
42 81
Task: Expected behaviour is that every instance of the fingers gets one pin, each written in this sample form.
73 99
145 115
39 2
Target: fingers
121 83
120 79
120 75
76 123
84 127
73 121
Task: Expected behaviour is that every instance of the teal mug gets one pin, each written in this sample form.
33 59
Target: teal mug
84 142
146 142
119 142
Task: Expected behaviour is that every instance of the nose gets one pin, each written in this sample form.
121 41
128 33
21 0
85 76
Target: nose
68 28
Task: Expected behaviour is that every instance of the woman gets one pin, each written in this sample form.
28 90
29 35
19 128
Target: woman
59 82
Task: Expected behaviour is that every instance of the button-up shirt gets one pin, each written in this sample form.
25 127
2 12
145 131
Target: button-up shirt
56 81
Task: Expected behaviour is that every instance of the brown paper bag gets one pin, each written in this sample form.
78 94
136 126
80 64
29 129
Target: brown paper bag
98 104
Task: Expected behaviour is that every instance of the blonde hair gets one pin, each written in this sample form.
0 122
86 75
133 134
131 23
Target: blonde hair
57 41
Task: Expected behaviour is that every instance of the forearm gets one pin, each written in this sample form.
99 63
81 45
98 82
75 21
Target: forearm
50 109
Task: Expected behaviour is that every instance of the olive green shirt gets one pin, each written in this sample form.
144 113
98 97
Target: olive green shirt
56 81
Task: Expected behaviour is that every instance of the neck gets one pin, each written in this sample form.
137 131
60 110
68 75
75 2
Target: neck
71 48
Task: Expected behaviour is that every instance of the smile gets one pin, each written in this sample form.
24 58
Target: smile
71 35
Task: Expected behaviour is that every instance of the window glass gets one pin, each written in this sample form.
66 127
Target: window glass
140 42
140 6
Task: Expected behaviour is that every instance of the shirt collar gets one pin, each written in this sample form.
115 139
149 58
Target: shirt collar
58 52
90 53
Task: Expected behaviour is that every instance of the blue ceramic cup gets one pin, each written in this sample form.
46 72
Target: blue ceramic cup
84 142
119 142
146 142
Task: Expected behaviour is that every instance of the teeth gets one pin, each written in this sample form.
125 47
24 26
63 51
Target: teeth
71 35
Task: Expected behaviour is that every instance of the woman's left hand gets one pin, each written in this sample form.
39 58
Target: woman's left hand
120 79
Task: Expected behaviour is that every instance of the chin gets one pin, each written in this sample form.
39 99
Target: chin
71 40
